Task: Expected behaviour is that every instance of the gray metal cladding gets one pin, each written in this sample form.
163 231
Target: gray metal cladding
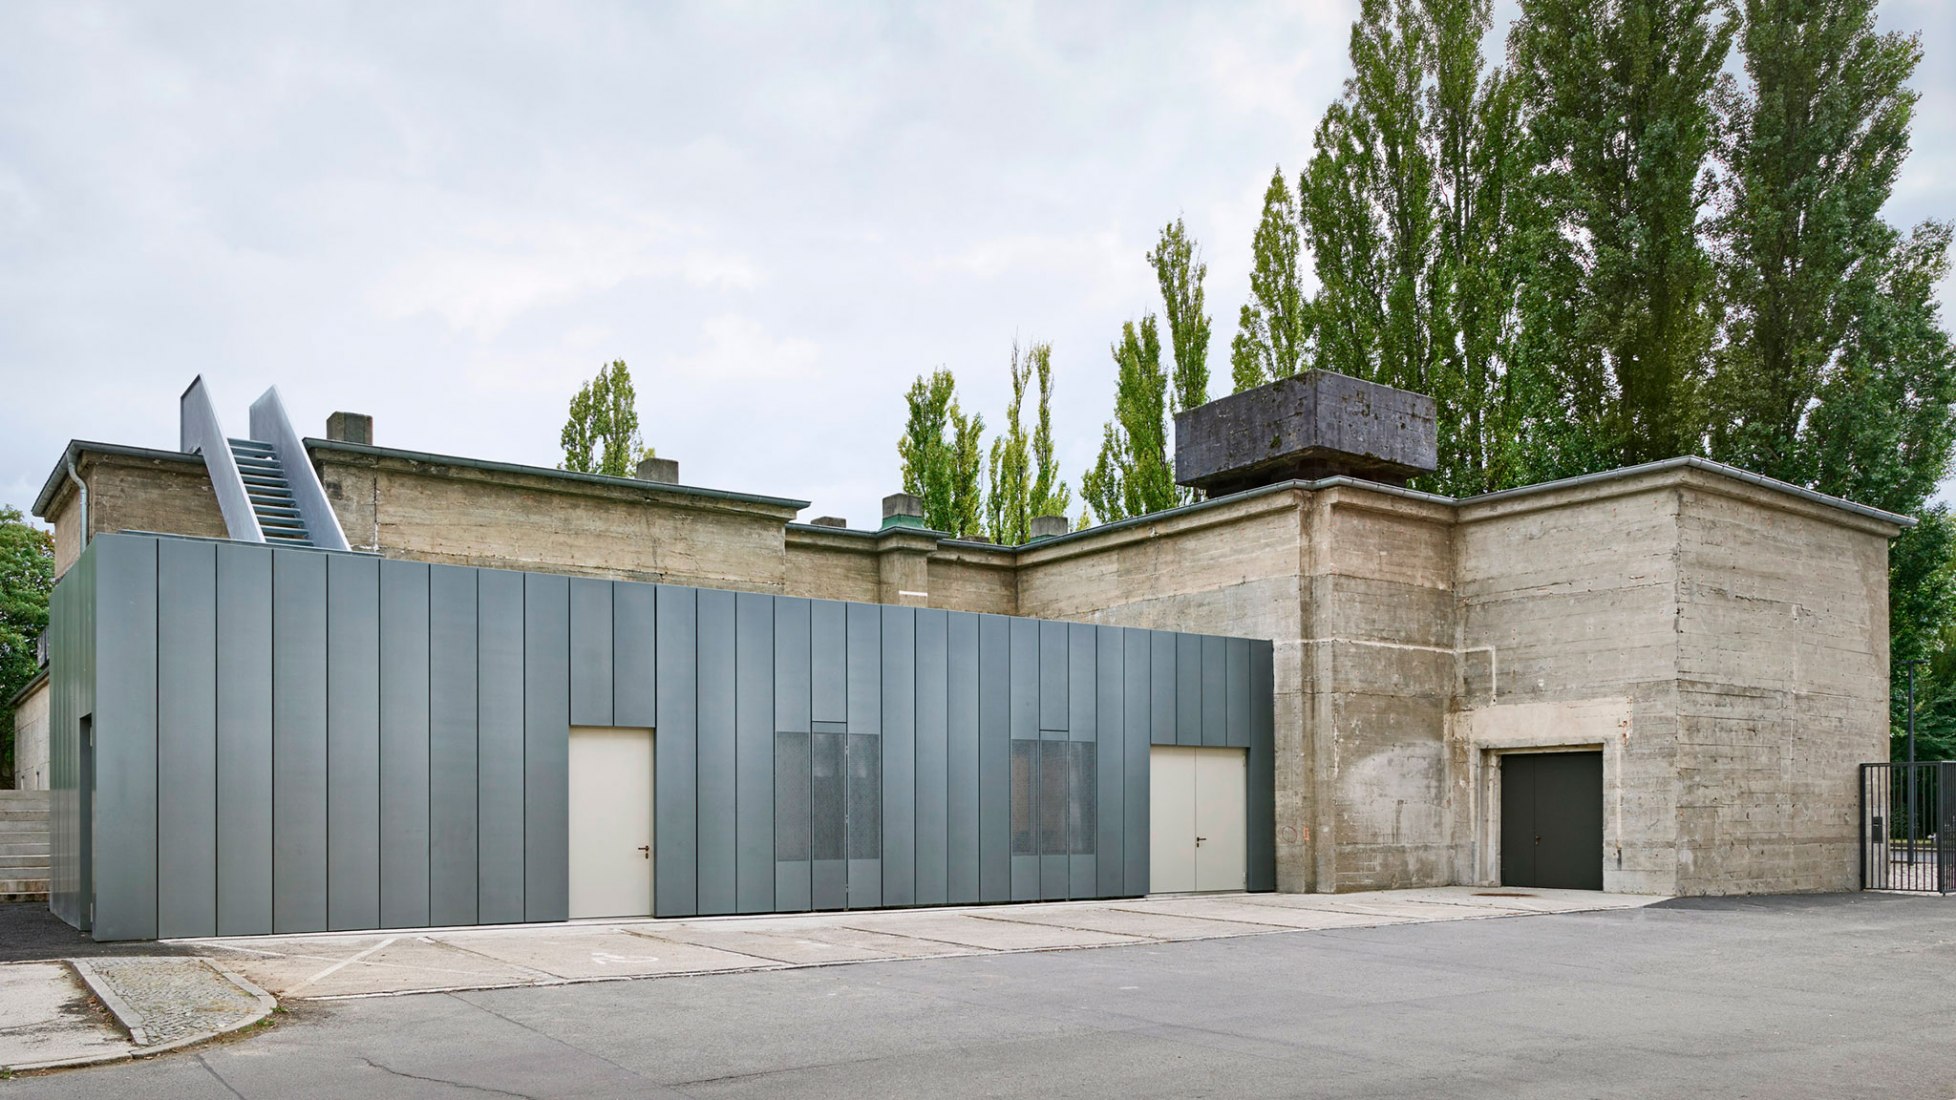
298 740
717 753
244 752
186 738
346 742
352 742
452 750
404 744
675 768
499 747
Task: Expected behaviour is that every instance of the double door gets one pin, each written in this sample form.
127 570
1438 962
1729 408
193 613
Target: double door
1197 819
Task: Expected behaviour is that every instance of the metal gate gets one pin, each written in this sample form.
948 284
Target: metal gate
1908 827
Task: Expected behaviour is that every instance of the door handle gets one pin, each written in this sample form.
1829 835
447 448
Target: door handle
1199 840
646 849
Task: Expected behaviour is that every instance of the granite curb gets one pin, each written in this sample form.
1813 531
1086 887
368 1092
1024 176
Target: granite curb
140 1027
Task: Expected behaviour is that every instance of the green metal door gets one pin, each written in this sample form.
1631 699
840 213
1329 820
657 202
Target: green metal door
1552 820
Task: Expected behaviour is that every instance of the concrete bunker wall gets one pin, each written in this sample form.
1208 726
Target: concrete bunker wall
350 742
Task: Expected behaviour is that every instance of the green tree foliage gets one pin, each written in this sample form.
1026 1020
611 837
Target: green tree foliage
26 579
1422 231
1618 107
1179 271
1024 476
941 456
1273 329
1132 476
601 436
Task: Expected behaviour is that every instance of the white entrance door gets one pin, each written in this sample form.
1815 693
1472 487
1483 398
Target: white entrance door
1197 819
610 822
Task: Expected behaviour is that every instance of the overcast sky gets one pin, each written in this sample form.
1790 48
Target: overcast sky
448 216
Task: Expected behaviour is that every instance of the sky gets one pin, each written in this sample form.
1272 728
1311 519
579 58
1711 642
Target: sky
448 216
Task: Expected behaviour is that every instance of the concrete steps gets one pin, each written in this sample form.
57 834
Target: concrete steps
23 846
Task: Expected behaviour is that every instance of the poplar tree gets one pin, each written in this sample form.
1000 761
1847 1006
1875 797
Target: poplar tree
1132 475
601 436
1179 271
1620 115
1273 329
26 581
1025 481
941 456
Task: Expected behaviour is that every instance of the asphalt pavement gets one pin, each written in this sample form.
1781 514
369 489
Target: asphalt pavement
1779 997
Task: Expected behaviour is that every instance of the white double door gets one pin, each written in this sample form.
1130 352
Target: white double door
1197 819
610 822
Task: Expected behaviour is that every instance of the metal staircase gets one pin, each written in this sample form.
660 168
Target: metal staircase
269 492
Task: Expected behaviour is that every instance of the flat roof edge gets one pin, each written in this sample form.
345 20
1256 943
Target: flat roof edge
313 443
1694 462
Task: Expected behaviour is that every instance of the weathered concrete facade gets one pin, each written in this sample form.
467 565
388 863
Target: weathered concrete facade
1722 639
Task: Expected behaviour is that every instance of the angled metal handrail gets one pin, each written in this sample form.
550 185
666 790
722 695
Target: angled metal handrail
270 426
201 434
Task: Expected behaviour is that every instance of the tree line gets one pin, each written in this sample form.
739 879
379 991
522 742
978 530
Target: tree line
1607 248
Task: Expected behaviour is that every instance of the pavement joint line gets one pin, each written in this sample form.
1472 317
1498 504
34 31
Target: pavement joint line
707 946
1139 936
548 977
343 964
1234 920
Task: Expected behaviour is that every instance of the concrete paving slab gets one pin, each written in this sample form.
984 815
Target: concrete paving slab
354 966
818 947
47 1018
597 953
990 932
1269 916
1134 921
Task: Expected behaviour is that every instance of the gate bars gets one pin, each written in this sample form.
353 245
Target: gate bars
1908 827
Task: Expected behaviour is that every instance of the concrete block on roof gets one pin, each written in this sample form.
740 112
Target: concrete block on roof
1314 425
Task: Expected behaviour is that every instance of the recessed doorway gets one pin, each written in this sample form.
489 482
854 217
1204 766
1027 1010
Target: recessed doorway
610 822
1552 820
1197 819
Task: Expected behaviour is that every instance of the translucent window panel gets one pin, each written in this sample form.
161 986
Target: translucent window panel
827 796
865 795
1024 769
1082 798
1053 808
791 801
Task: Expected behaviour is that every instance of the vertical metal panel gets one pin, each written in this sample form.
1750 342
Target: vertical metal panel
591 649
352 742
793 839
1054 779
634 671
899 712
1160 678
828 632
124 854
404 745
1188 689
754 752
1143 666
1082 686
995 713
499 791
298 741
1023 674
1215 683
452 853
865 818
1261 805
1025 819
186 738
1083 821
244 740
1237 656
791 657
675 887
546 747
1110 753
718 817
962 758
1054 668
828 813
865 669
932 757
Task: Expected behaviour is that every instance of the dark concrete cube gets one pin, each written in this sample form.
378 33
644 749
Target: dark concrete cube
1314 425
